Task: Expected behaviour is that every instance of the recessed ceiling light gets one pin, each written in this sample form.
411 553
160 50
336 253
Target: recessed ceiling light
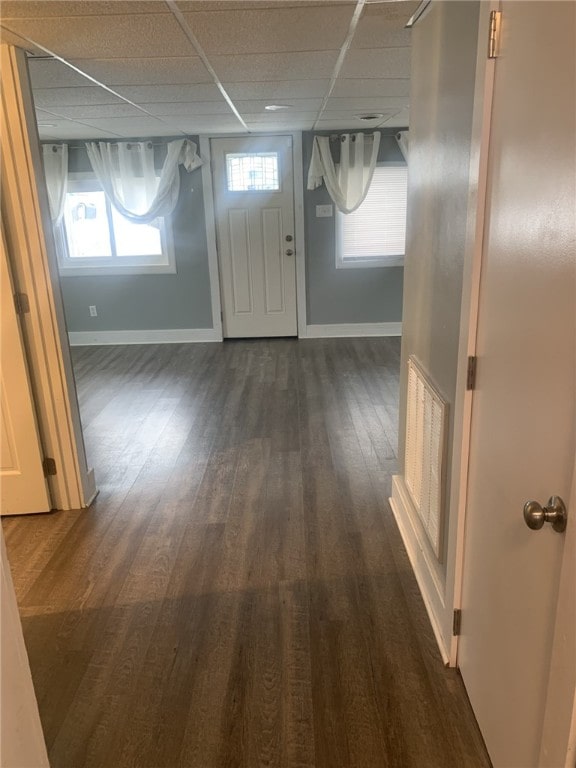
371 116
277 107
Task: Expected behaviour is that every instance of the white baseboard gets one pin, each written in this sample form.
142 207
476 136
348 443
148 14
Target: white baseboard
90 489
340 330
170 336
423 561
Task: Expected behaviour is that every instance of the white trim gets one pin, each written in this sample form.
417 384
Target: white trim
111 271
462 412
381 261
210 221
169 336
424 564
340 330
299 233
90 488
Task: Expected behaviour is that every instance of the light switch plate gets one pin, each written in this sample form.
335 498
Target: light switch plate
323 211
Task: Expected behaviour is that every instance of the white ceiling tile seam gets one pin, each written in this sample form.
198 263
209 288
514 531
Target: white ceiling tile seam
179 16
47 111
55 56
341 56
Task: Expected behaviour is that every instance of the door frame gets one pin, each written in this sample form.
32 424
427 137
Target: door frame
210 219
32 255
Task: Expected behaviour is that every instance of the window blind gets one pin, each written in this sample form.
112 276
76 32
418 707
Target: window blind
378 227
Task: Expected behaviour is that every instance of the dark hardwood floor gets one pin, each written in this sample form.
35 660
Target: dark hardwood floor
238 594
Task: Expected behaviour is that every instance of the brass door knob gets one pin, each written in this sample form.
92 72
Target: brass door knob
554 513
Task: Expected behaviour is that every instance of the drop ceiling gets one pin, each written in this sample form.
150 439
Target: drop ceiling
134 69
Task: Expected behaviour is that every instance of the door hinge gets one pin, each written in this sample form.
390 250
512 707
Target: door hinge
21 303
471 372
494 34
457 622
49 467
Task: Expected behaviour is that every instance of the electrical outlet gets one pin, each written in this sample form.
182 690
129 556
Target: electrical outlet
323 211
93 312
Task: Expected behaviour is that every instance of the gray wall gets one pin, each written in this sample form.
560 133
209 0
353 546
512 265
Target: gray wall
145 302
182 300
443 73
363 295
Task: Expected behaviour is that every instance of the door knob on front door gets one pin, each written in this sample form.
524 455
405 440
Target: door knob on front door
554 512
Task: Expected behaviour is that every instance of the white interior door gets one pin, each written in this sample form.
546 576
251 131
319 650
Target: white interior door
22 483
254 196
523 418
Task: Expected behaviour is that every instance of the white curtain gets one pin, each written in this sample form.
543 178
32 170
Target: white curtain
349 181
55 158
402 139
128 177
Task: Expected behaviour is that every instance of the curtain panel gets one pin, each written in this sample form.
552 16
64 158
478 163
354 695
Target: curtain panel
55 157
348 181
129 179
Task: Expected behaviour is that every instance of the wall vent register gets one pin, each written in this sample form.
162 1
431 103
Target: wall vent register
424 454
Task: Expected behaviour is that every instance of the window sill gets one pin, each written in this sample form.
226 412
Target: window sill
142 269
391 261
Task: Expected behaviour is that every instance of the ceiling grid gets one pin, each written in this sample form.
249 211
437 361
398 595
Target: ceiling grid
124 68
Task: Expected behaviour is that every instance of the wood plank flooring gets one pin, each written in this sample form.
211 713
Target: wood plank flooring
238 594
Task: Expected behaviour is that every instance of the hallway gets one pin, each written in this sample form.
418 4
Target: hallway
238 594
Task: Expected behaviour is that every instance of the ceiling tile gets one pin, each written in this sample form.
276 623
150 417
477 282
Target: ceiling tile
113 36
296 105
272 30
375 104
279 127
208 124
67 97
53 74
189 6
385 114
156 94
72 130
399 120
344 123
271 90
377 62
270 118
131 127
136 71
46 8
370 87
88 111
193 108
379 27
394 10
281 66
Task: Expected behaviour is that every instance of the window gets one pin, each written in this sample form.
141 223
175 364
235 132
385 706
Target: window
252 171
374 235
95 239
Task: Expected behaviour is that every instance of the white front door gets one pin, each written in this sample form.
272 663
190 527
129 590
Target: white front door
254 197
22 482
523 418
